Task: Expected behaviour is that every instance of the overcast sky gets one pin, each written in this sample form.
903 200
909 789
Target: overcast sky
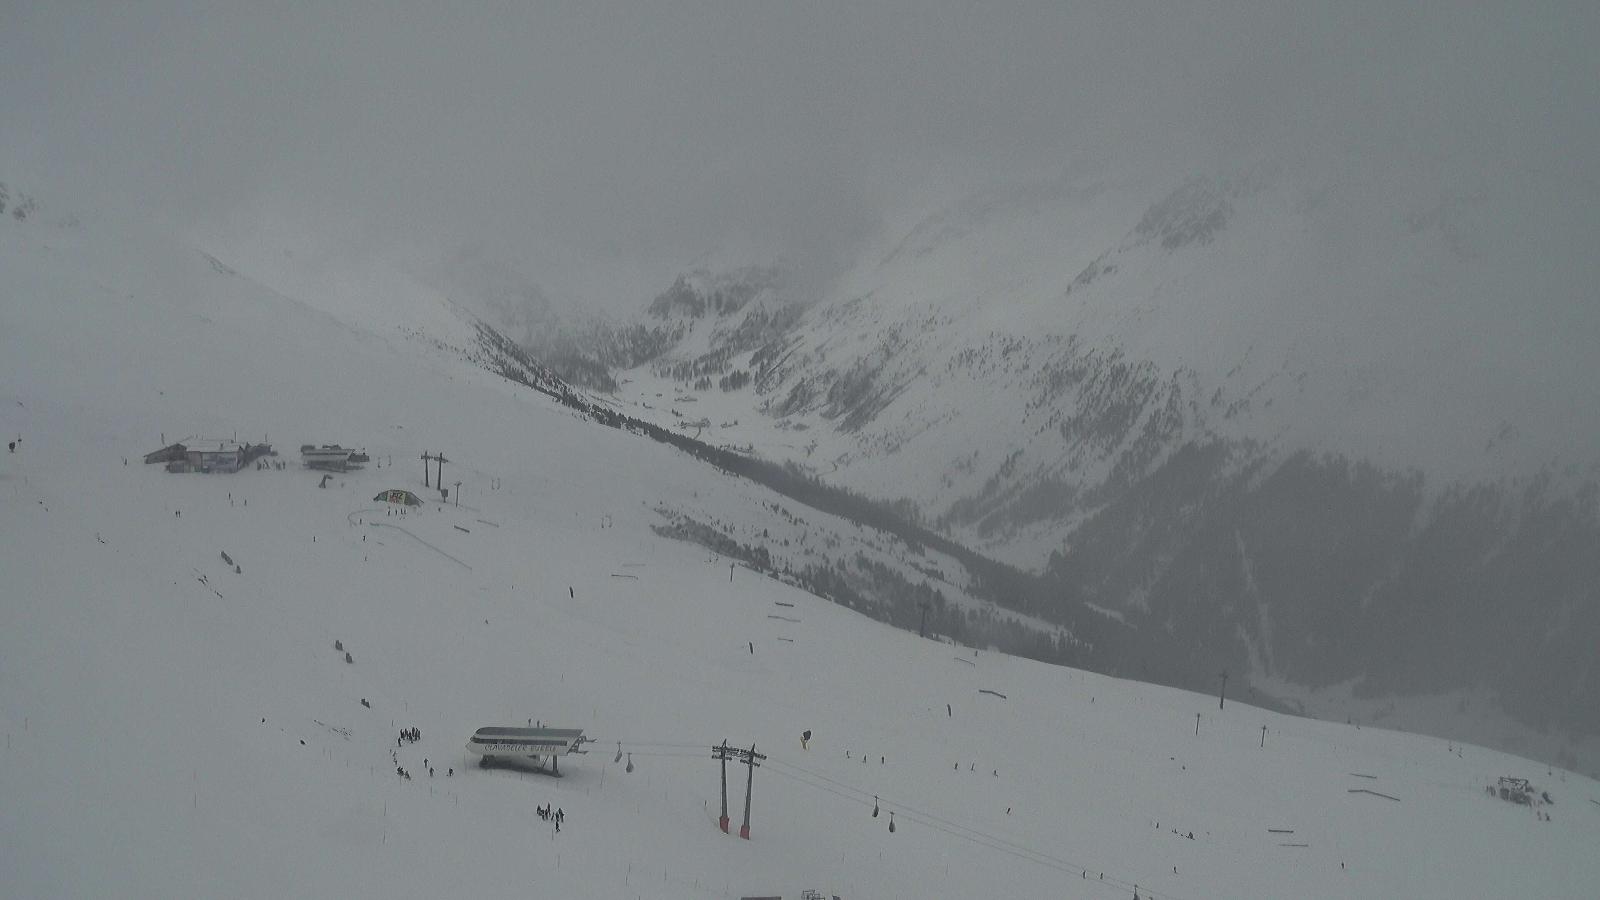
633 139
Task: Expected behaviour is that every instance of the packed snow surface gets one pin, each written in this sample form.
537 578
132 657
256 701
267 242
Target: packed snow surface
175 728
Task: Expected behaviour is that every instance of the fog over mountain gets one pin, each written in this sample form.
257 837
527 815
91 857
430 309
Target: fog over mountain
1273 326
602 147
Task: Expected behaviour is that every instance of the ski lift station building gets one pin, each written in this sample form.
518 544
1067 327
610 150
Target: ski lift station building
207 455
494 744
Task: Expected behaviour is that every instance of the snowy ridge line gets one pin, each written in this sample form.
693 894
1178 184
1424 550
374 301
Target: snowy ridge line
952 828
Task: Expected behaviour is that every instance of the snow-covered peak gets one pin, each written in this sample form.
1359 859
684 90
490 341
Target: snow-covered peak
703 293
1404 320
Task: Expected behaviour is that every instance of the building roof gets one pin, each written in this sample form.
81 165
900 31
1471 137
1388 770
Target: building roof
501 740
167 453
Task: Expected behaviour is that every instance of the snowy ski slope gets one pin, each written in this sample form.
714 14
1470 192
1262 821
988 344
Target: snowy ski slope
173 728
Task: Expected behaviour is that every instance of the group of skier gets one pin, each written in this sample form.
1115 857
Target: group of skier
412 734
557 817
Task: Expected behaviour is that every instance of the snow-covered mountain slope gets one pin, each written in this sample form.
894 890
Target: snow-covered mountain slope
176 727
1408 327
1301 414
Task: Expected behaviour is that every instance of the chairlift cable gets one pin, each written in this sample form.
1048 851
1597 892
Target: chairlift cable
955 829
